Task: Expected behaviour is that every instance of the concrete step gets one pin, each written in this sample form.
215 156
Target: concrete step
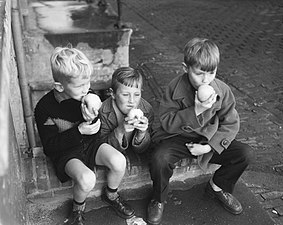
109 46
41 183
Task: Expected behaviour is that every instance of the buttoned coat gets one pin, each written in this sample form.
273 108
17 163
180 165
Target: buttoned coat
218 125
109 122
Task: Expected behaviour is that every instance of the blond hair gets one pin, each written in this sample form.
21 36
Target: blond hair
201 53
69 63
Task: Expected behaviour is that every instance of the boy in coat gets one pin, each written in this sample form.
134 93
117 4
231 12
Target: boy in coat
205 130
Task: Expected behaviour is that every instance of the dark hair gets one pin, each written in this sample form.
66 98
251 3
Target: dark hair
127 76
201 53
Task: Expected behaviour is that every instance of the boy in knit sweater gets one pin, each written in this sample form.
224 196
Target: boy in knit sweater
68 127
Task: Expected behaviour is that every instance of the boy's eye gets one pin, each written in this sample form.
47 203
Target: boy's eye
79 86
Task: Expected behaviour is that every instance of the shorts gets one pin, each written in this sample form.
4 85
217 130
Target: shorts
85 153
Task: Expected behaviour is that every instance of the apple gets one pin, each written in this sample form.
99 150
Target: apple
135 113
92 102
204 92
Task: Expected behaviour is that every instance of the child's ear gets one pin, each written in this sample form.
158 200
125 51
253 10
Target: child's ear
185 67
58 87
111 92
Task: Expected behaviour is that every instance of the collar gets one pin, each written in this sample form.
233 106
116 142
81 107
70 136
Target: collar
118 112
184 89
107 106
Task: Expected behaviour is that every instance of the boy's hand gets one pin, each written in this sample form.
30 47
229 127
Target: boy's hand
88 128
129 124
141 124
91 103
123 127
87 115
200 107
198 149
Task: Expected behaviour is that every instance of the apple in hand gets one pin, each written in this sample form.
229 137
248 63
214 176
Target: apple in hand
135 113
204 92
92 102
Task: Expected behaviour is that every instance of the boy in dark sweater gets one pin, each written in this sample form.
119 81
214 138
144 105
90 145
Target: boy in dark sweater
67 123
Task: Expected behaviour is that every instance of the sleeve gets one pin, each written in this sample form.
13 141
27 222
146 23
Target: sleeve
175 117
145 143
229 124
53 142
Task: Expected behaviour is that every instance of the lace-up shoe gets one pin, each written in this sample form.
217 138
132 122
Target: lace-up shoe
121 208
154 212
76 218
227 200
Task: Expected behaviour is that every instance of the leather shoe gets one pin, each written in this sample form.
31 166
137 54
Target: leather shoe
227 200
154 212
76 218
121 208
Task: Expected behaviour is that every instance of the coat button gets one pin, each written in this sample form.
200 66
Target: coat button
225 142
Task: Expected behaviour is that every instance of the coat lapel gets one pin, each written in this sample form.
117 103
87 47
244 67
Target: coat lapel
185 91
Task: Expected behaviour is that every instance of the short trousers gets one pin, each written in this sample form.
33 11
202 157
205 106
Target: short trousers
85 153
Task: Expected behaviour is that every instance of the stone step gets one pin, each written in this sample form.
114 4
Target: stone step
41 183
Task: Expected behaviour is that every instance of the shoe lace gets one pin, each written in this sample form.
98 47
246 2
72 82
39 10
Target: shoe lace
156 203
228 197
79 216
120 202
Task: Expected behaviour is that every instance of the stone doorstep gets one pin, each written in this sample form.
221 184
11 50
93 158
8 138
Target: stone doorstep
41 183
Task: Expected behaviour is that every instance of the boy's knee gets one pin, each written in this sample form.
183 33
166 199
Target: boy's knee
159 159
118 163
87 181
249 154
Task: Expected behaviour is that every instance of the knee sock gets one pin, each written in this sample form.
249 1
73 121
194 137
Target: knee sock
78 205
112 194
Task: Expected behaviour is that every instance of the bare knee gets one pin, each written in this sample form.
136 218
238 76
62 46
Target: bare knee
118 163
112 158
86 181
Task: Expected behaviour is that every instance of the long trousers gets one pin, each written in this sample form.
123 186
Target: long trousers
233 160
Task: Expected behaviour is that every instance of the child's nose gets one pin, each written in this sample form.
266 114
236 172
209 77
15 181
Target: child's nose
85 91
131 99
205 79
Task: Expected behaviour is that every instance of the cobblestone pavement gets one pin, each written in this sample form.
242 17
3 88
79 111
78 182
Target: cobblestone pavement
250 37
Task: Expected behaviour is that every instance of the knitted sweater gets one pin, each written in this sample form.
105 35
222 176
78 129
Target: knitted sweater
57 124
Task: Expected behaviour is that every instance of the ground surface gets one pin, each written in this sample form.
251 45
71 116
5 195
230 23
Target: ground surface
250 37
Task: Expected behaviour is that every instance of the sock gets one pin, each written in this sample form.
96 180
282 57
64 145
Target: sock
112 194
78 205
214 186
